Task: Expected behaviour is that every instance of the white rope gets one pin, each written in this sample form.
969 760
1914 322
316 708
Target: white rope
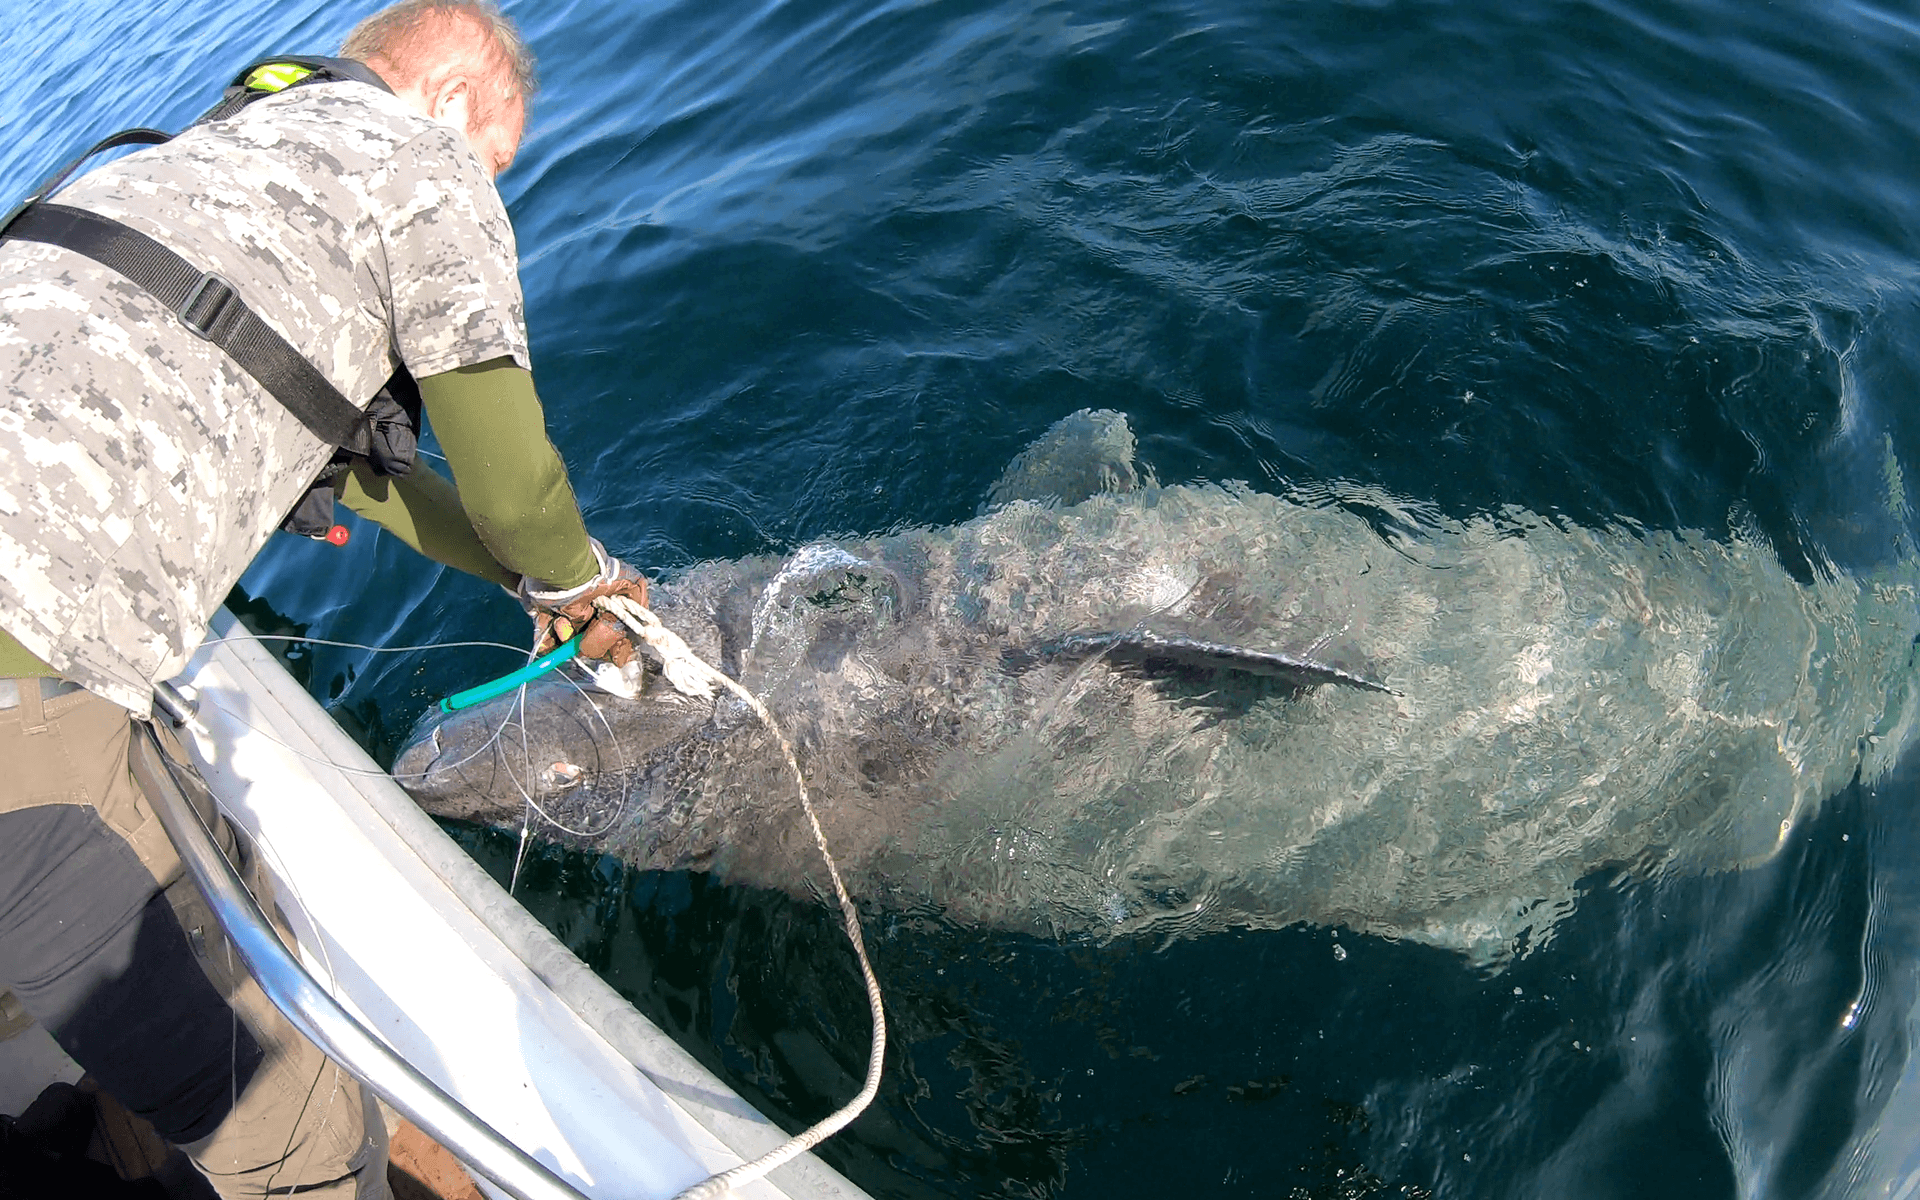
691 675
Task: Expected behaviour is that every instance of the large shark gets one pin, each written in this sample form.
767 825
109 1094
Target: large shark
1105 705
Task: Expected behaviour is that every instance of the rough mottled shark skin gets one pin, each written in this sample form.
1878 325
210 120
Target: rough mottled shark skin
1051 717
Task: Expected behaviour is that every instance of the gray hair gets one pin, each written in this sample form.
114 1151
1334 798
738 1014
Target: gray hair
406 36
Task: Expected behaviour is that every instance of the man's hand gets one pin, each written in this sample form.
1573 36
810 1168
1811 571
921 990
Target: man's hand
559 615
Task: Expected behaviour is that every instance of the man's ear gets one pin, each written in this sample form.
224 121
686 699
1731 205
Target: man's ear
452 102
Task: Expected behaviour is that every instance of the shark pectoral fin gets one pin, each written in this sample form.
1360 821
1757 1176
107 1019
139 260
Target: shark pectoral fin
1159 653
1080 456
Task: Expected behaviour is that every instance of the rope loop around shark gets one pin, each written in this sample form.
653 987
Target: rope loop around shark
1105 706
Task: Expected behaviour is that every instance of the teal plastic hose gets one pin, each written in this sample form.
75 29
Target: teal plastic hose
506 683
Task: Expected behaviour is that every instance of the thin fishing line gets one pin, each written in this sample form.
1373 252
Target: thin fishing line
626 788
233 1034
244 837
686 669
277 867
312 1143
282 637
499 731
359 772
313 641
285 878
520 856
526 814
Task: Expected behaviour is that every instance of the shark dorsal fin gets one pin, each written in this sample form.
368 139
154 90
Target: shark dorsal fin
1080 456
1150 651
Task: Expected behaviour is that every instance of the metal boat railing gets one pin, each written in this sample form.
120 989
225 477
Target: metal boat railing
308 1006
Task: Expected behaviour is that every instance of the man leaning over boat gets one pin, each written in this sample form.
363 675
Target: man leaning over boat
331 231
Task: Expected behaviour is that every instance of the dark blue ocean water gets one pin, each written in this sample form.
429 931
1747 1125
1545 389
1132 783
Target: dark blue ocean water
813 267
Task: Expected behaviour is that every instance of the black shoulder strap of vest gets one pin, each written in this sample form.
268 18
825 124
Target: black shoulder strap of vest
205 303
255 81
126 137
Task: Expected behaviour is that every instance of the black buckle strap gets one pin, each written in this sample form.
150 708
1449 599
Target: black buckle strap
204 304
209 306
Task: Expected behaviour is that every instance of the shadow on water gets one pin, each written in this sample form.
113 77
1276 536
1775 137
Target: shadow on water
1681 1035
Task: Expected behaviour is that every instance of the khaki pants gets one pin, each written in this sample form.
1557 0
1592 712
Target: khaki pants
106 942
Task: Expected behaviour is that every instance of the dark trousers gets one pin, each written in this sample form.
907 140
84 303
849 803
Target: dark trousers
106 945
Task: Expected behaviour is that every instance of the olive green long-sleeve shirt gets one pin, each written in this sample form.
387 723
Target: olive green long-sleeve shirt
512 512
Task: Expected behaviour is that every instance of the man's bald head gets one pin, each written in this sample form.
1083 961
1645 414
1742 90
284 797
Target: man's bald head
459 61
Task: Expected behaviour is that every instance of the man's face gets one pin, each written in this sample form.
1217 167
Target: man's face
498 140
